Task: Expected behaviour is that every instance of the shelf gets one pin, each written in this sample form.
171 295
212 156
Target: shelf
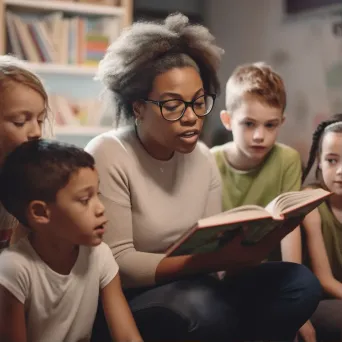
50 68
81 130
64 6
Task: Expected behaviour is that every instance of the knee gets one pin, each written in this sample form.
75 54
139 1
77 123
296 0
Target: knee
205 306
191 310
306 284
327 320
208 314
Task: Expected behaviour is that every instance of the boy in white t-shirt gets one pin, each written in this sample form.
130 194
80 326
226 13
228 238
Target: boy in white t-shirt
50 280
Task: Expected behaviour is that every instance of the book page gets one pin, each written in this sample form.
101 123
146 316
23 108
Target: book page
214 238
239 214
206 240
295 200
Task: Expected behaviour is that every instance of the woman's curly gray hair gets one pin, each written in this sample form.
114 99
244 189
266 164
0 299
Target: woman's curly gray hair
147 49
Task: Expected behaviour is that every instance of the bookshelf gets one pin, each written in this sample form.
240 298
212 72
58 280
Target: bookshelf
81 130
63 68
68 7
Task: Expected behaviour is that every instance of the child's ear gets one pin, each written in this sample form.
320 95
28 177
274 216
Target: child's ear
226 119
283 118
39 212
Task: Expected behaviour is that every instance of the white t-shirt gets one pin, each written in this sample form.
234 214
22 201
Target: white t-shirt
58 308
7 224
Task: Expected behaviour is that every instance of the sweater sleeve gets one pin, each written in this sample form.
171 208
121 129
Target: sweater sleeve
136 268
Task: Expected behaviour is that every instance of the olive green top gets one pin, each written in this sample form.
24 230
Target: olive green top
280 172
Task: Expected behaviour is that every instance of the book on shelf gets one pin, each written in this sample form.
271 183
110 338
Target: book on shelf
252 221
59 39
100 2
77 112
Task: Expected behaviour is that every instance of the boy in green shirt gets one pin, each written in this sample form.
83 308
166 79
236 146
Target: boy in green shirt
254 167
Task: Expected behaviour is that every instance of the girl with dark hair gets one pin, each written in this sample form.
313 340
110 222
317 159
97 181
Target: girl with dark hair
323 227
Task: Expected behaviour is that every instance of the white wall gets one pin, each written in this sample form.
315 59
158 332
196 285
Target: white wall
304 52
240 28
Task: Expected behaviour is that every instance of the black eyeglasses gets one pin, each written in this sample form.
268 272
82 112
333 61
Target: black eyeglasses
173 110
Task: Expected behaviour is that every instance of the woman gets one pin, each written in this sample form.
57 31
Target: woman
24 107
157 180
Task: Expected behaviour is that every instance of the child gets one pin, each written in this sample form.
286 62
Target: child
24 107
323 227
50 280
254 167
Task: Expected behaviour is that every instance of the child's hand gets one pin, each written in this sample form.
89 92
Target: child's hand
118 314
307 332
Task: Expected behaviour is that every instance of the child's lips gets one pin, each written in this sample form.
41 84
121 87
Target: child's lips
258 148
101 227
338 182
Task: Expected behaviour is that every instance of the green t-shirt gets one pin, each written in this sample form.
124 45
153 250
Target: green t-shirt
332 236
280 172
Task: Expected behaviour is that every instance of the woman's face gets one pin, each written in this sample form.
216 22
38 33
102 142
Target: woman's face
159 136
22 115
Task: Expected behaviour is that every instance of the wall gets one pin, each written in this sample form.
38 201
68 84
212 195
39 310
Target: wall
188 6
305 52
239 28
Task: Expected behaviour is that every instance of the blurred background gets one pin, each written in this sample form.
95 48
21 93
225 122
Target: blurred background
64 40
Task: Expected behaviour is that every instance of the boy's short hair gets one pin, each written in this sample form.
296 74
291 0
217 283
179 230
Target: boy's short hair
37 170
258 80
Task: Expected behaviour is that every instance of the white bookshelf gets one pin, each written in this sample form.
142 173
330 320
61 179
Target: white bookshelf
67 7
61 69
124 11
81 130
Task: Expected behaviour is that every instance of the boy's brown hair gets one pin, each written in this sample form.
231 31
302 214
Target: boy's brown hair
257 80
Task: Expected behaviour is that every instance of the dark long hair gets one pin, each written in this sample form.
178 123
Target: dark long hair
317 138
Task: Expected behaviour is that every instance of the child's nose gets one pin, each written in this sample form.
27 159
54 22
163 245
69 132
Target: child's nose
259 134
339 170
100 209
35 131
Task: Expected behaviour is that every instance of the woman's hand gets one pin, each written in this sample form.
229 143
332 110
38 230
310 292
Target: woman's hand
234 256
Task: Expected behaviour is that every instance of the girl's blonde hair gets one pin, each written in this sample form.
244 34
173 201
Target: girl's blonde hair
13 70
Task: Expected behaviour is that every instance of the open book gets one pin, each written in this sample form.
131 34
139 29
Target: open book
252 221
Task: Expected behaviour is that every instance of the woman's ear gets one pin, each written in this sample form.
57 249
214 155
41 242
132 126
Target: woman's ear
226 119
38 212
138 109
